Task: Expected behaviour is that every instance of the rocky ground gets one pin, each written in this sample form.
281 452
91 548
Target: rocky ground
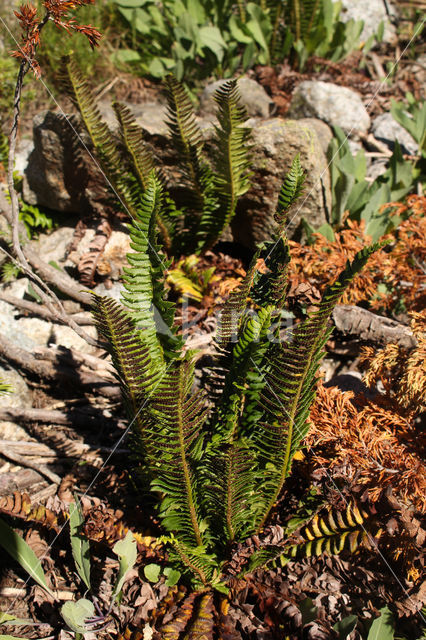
63 426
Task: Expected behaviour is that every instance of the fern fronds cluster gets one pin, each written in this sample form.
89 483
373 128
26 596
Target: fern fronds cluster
217 460
211 186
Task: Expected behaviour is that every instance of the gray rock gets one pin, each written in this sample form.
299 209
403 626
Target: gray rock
372 12
323 131
331 103
23 151
386 129
53 246
275 144
20 397
376 169
253 96
151 116
62 173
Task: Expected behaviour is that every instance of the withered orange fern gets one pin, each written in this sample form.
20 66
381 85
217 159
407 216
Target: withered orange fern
401 267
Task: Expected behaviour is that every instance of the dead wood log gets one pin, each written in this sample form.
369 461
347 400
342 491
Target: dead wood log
25 462
55 370
72 418
365 325
37 309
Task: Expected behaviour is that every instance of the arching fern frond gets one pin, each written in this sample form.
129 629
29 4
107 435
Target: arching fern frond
188 141
231 163
290 191
143 280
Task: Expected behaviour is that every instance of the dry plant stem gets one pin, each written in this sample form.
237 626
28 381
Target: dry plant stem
46 294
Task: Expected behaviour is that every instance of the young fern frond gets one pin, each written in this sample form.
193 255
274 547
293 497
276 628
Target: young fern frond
143 280
232 179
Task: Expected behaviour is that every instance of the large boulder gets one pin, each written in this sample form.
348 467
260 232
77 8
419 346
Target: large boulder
275 143
62 173
335 105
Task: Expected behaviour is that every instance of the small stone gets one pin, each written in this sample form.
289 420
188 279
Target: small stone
253 97
335 105
386 129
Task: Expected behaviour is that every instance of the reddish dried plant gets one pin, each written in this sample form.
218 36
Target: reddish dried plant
401 266
402 372
368 442
58 12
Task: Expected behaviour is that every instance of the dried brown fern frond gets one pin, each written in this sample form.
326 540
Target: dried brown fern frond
402 269
402 372
370 441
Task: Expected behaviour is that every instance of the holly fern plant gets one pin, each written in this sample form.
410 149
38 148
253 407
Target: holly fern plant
216 459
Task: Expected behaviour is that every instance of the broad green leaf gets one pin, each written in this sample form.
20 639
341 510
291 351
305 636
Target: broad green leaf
172 576
327 231
75 614
211 38
7 618
79 544
23 554
127 552
131 4
383 627
152 572
346 626
127 56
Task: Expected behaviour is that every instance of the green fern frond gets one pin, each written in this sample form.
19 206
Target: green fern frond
231 163
302 16
231 315
290 191
105 145
174 440
139 374
188 141
132 136
290 386
143 280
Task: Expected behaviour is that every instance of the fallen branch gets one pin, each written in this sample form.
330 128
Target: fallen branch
36 309
55 370
369 326
24 462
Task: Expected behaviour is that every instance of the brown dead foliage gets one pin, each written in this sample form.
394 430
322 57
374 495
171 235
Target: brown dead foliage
370 442
400 266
